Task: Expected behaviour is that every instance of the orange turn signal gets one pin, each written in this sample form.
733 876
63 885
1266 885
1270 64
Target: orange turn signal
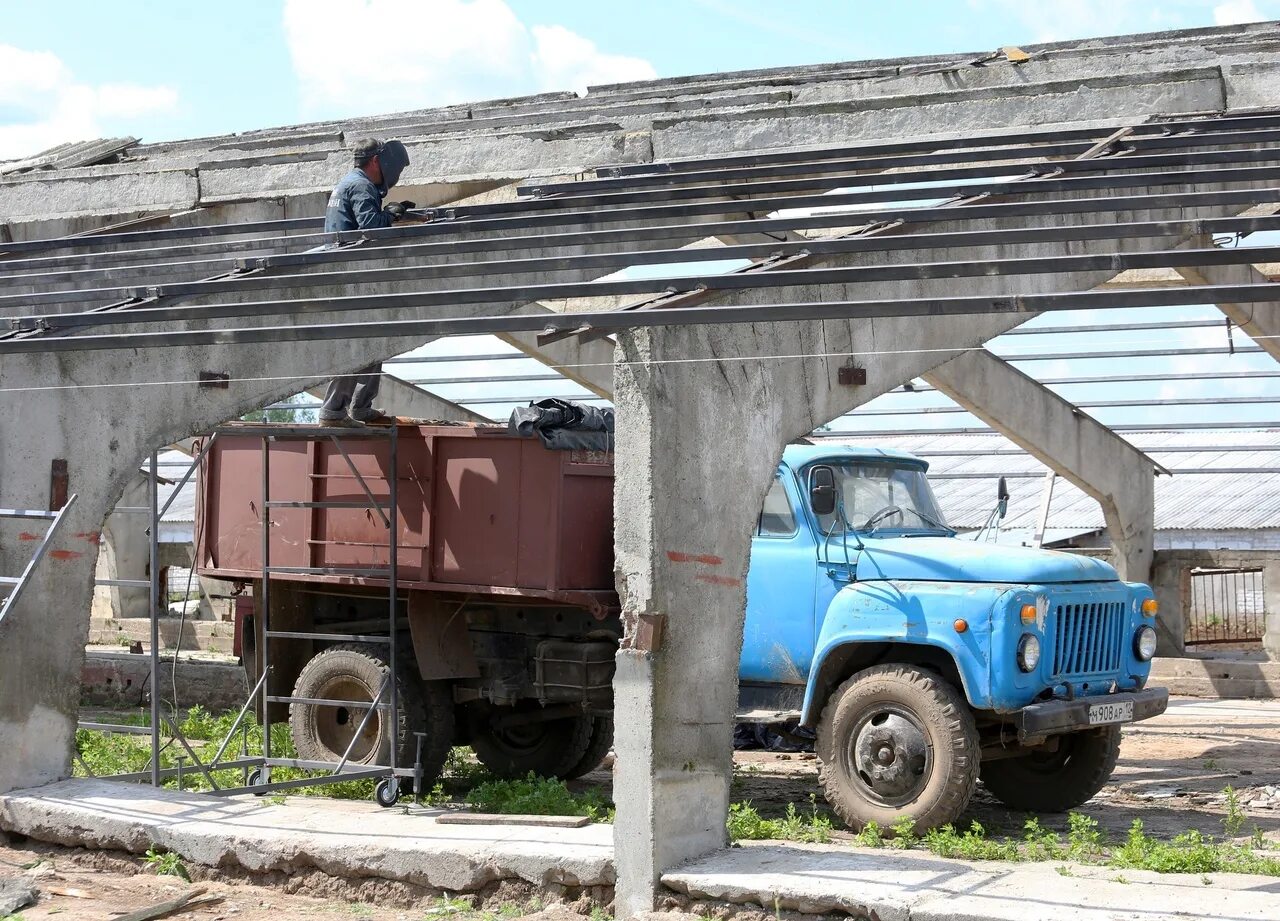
1150 607
961 626
1028 614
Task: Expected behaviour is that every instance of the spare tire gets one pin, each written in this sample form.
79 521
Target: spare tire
353 672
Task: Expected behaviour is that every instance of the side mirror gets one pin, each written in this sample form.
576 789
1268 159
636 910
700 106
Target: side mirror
1002 497
822 490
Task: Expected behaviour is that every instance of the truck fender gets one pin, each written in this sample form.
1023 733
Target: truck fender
869 623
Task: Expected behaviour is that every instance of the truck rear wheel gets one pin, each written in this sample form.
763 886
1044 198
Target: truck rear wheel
1059 780
548 748
597 748
355 673
894 741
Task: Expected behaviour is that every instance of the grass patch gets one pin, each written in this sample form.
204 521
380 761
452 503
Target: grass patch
533 795
105 753
746 824
1084 842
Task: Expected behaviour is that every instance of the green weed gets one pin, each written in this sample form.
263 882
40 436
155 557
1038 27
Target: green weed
166 863
746 824
535 795
1234 820
870 836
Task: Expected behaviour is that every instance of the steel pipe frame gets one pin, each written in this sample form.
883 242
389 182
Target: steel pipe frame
849 180
371 249
518 214
1086 404
984 430
861 166
541 266
1121 378
972 141
555 324
1037 474
39 325
1150 449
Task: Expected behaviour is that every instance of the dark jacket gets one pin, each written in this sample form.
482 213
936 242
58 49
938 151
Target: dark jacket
356 204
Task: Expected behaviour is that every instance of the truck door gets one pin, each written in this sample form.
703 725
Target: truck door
778 638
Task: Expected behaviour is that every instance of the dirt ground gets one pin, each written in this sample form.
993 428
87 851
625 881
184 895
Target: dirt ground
81 885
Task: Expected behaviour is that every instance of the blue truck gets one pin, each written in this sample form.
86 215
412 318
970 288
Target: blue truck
926 662
922 661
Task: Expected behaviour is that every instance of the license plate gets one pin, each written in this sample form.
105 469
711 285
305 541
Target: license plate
1118 712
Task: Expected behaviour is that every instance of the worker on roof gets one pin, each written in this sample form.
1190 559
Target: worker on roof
356 204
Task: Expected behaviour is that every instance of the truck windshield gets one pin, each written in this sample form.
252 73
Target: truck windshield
884 497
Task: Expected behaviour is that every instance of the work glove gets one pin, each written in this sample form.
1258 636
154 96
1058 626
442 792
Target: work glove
397 209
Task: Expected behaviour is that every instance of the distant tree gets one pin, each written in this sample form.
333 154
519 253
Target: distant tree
281 416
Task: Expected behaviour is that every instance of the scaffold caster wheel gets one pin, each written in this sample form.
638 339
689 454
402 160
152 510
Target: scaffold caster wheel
387 792
255 780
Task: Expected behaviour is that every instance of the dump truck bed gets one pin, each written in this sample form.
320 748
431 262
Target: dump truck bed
478 510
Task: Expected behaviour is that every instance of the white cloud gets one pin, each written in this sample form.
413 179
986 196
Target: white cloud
431 54
1236 11
42 104
1065 20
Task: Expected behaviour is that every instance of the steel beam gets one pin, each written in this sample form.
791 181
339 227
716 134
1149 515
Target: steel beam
618 320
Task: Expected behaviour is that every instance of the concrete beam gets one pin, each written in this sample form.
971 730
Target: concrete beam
1053 431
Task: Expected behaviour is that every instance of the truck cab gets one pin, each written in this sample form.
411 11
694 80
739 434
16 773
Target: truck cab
925 661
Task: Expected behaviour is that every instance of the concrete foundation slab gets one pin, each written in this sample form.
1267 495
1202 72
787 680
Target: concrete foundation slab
921 887
345 839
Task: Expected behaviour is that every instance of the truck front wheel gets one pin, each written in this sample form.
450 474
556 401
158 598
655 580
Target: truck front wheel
511 747
1055 781
894 741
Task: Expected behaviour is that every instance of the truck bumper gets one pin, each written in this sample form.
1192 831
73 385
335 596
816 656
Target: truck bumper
1054 717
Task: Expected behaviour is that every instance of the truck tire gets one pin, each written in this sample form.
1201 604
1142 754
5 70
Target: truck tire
599 746
1056 781
896 740
550 748
355 672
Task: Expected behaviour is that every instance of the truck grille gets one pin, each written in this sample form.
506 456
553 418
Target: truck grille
1088 638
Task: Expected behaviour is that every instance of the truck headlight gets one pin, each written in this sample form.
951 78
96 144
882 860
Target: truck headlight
1144 643
1028 652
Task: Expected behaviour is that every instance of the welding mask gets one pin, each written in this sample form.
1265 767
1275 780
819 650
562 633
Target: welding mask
393 158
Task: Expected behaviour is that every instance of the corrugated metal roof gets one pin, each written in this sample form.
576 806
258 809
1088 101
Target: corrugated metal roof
1192 501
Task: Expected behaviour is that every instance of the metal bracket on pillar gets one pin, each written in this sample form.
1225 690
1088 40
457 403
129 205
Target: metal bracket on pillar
644 632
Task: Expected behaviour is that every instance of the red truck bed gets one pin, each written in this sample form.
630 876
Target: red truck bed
479 510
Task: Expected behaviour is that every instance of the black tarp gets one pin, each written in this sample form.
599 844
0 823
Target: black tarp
564 425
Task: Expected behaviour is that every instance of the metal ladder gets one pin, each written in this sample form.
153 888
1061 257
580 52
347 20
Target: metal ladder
387 697
14 586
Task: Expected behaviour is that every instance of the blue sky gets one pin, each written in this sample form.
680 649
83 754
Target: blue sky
164 70
79 69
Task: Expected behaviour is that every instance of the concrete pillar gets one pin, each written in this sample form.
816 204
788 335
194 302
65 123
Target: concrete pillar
1171 582
1056 433
1271 603
124 553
